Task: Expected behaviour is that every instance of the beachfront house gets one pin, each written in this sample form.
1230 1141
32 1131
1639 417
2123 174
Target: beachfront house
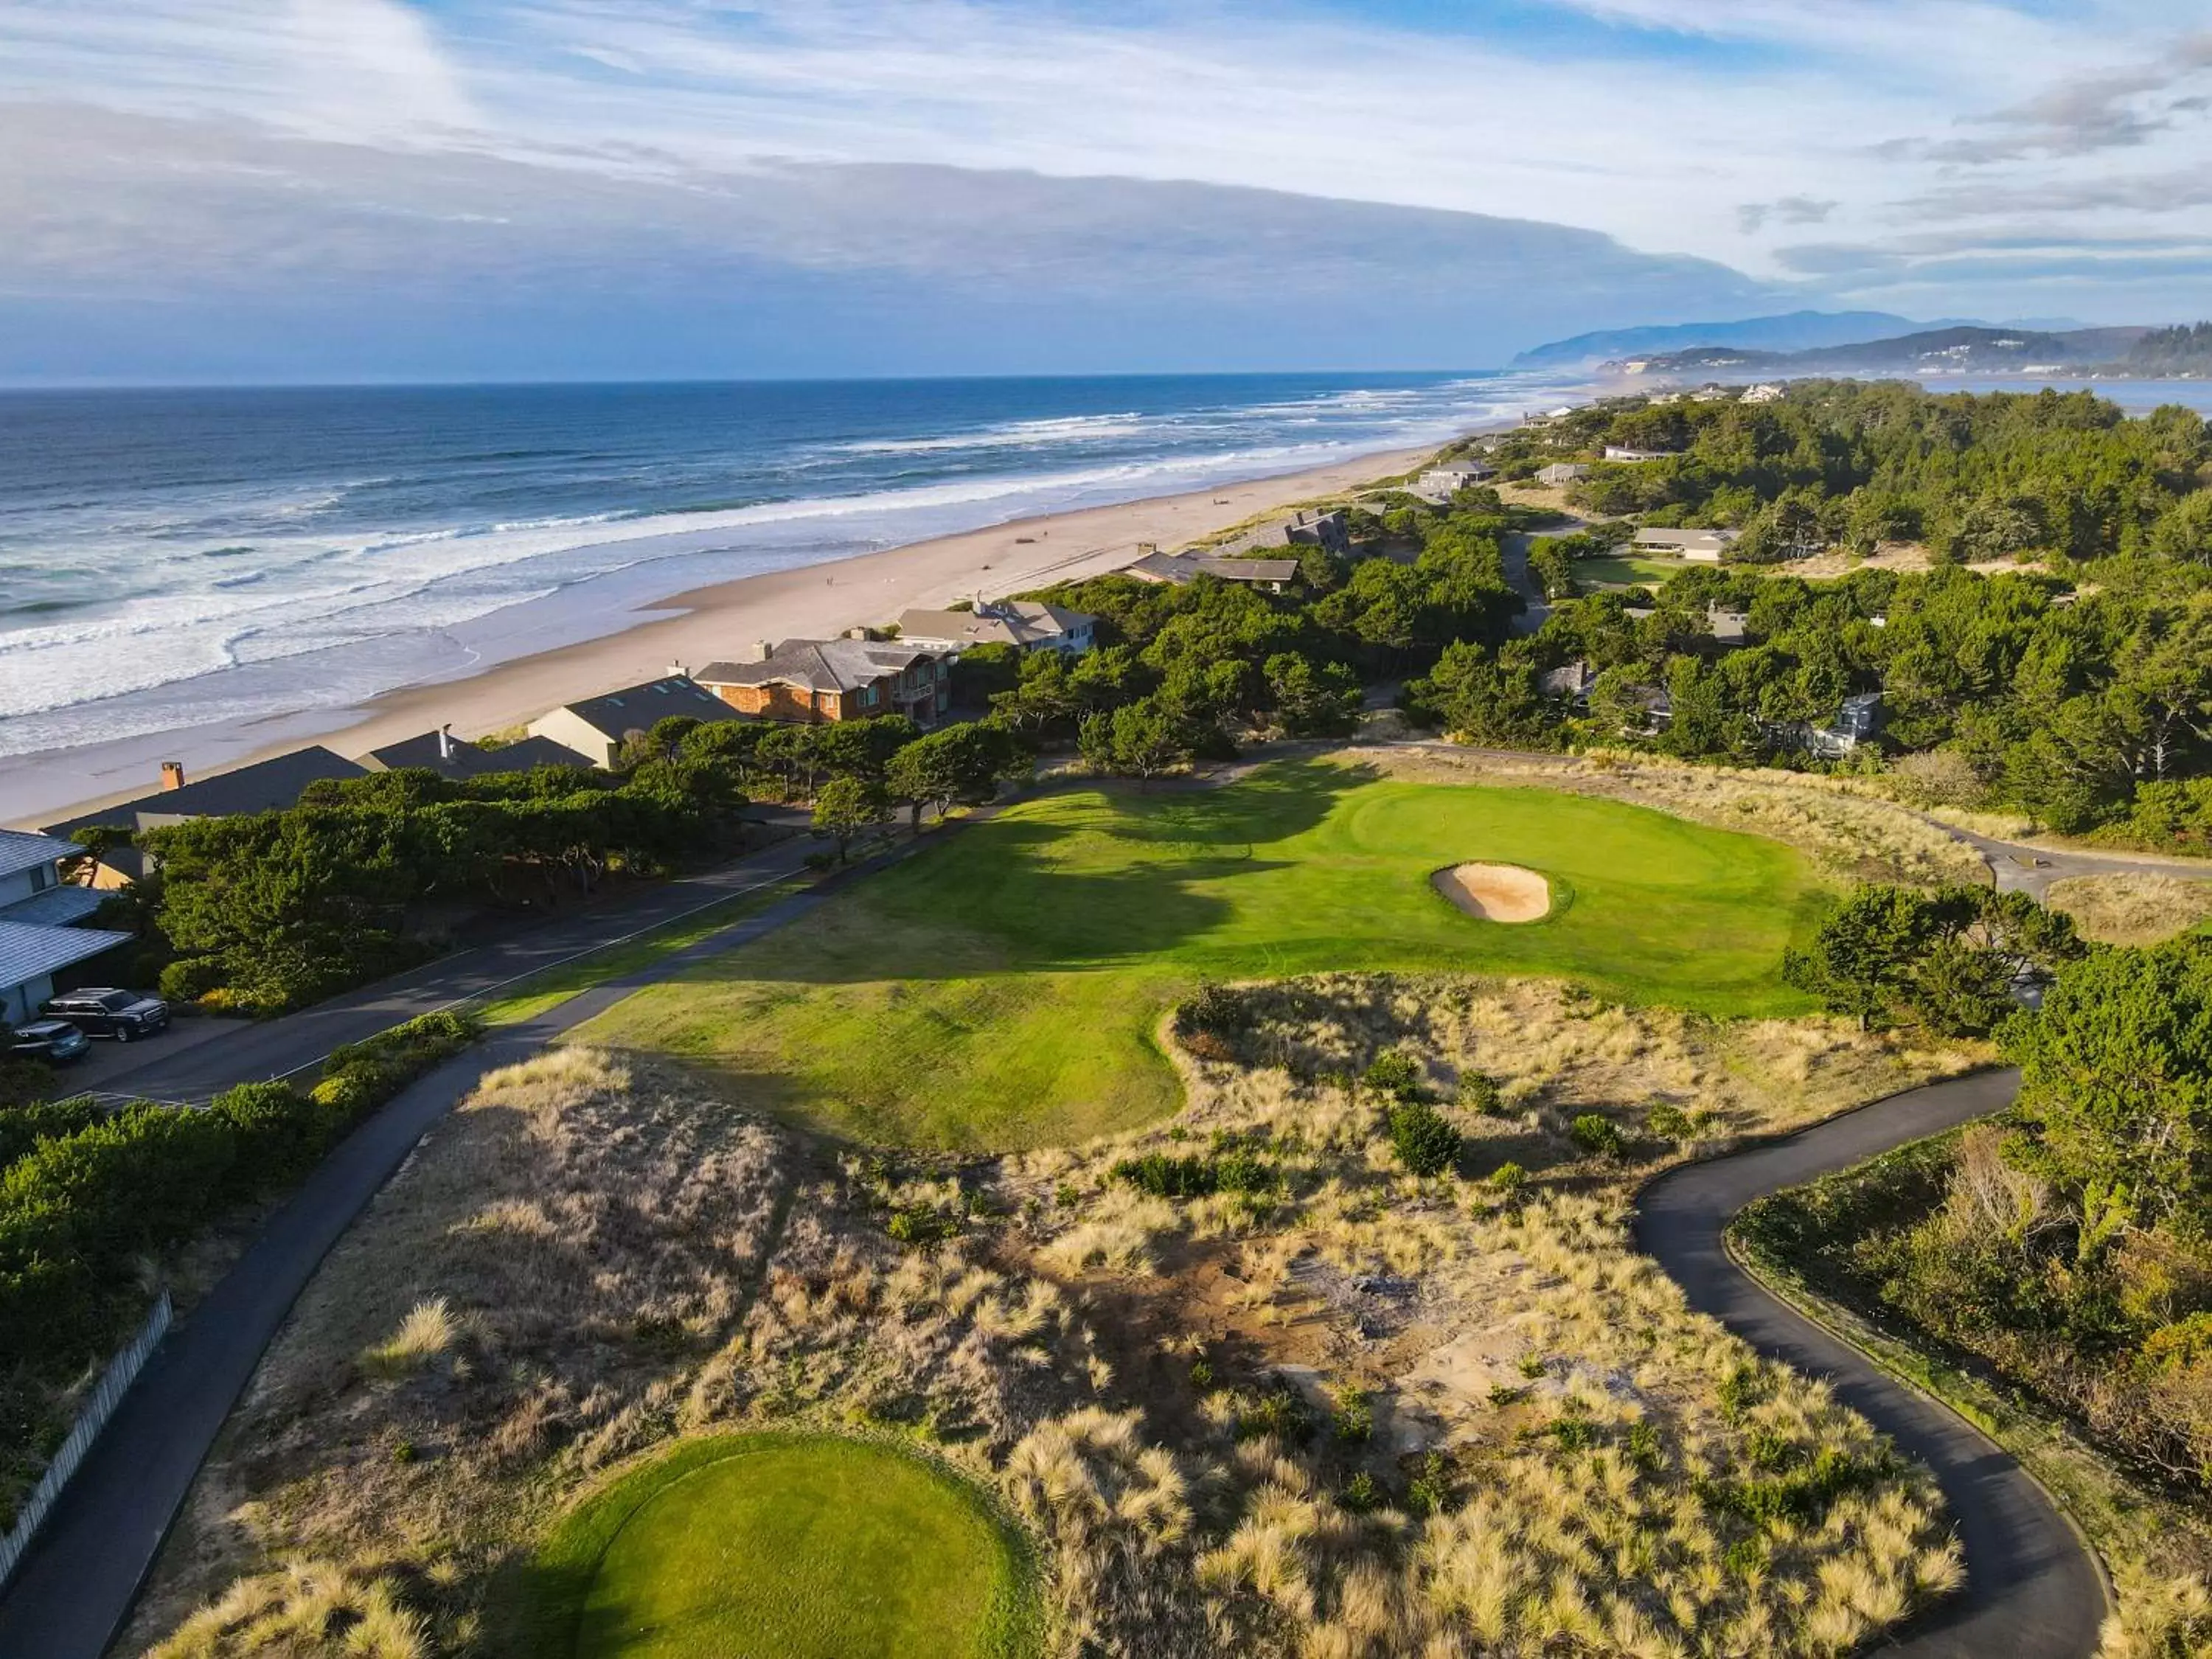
1765 392
823 682
595 730
1026 624
1274 575
1447 479
263 787
442 752
1626 452
41 921
1560 473
1698 546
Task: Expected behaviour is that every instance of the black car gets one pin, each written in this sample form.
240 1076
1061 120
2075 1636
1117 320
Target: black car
102 1011
50 1040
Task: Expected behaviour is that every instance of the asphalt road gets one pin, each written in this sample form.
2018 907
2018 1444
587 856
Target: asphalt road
2032 1590
164 1069
72 1593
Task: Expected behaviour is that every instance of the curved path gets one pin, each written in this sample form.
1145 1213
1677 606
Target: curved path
2034 1591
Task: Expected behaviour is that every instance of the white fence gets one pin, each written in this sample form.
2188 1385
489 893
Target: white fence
115 1382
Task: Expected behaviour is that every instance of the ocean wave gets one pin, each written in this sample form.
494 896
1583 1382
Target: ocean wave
1067 428
300 570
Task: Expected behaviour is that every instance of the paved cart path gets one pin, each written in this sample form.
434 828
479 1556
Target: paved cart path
2033 1589
74 1590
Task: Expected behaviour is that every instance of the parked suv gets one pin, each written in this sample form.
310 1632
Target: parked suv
51 1040
102 1011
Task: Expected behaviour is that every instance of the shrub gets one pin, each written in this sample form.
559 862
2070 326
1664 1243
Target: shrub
1361 1495
1280 1414
1354 1419
1670 1123
1396 1074
920 1225
1509 1177
1431 1491
1236 1169
1424 1139
22 1127
1214 1008
1740 1390
362 1075
190 979
1595 1135
1479 1093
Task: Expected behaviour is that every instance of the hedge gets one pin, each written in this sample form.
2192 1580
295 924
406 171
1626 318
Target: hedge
88 1200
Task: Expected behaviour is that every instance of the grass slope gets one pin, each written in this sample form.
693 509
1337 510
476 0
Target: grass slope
769 1547
1002 990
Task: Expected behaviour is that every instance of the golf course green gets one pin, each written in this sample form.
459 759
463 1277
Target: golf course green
774 1547
1002 990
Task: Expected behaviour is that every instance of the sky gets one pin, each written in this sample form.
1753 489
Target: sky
300 189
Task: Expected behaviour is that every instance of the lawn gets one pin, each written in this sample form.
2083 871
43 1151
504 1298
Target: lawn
773 1546
1626 569
1002 990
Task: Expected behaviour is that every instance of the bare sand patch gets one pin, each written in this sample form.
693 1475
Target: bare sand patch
1496 892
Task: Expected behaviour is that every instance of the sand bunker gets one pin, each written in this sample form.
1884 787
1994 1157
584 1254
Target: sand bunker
1496 892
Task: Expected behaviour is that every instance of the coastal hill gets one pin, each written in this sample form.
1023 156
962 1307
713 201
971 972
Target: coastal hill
1796 331
1962 350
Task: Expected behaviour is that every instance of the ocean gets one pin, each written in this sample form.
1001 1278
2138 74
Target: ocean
180 559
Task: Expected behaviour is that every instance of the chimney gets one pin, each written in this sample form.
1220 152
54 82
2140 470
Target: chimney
856 633
445 743
173 775
755 650
676 671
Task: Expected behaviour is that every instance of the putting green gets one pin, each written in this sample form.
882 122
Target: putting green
763 1546
1002 990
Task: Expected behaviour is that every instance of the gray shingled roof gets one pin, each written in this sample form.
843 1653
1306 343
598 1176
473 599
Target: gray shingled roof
637 708
467 761
57 907
819 665
27 951
259 787
20 850
1181 567
1012 622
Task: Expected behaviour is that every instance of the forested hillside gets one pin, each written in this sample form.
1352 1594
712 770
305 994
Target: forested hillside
2074 684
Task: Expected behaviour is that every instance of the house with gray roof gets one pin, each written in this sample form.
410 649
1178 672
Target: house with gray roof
260 786
1026 624
442 752
825 681
595 729
1178 568
41 921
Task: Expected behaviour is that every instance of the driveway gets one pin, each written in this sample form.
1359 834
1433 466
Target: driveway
2032 1591
74 1591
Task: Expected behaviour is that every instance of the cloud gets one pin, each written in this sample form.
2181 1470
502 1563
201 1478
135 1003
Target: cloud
780 266
2081 114
675 118
1752 217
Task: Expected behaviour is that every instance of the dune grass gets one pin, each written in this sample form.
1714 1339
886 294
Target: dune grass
1002 990
794 1546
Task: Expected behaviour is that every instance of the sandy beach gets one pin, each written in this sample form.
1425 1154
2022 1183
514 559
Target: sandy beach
695 628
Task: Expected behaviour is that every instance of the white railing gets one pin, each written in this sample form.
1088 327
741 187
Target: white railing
115 1382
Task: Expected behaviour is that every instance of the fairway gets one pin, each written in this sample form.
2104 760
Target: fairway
1002 990
784 1548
